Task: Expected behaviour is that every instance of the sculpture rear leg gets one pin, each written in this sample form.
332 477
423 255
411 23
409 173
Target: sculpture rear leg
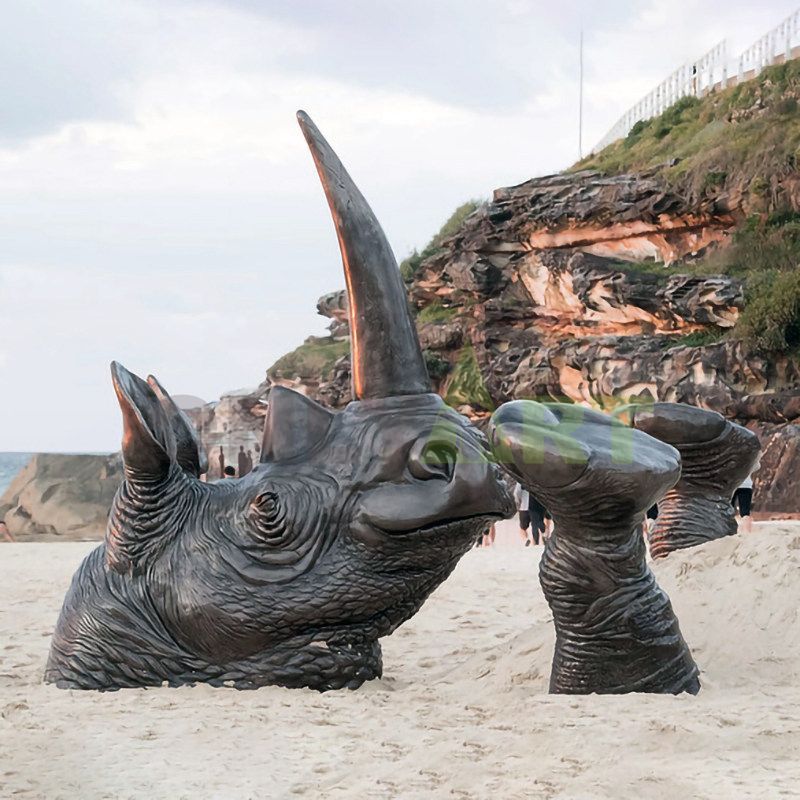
615 628
716 456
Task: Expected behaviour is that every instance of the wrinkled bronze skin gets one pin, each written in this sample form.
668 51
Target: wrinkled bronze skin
716 456
290 575
616 631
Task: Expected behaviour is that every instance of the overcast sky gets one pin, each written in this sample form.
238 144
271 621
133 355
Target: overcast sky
158 205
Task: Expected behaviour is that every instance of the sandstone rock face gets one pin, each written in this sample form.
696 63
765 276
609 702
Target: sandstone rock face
714 300
605 371
632 217
775 485
236 420
61 495
543 288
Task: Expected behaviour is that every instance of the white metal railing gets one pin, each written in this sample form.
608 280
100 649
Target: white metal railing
772 46
694 78
709 72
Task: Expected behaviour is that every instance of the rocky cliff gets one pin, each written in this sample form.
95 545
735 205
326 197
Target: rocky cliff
231 424
664 267
582 288
60 495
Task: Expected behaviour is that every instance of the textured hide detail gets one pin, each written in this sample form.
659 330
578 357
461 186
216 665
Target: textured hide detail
716 456
291 574
616 631
288 576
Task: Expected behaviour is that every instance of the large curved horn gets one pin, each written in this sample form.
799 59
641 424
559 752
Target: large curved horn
386 356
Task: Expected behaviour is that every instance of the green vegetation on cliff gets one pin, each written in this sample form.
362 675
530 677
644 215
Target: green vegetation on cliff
765 254
438 367
771 318
742 137
695 339
741 146
466 385
313 360
436 312
410 265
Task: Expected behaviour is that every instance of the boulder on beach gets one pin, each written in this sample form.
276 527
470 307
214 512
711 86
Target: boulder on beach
62 495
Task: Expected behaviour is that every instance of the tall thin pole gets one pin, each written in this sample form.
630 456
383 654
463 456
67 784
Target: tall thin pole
580 99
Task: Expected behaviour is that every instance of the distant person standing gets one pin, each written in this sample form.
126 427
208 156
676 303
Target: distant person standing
242 462
522 497
249 460
5 532
539 517
743 501
221 459
532 514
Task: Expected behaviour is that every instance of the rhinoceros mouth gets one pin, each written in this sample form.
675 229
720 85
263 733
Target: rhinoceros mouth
468 525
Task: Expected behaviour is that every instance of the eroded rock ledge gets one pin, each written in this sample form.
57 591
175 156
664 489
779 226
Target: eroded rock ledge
572 287
61 495
542 293
624 216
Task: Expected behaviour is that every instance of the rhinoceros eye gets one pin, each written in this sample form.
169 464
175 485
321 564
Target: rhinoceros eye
433 460
268 517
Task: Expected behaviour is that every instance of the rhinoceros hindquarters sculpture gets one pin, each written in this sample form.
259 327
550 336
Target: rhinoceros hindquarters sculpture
616 631
290 575
716 456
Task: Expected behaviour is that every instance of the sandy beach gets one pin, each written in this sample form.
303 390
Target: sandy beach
462 709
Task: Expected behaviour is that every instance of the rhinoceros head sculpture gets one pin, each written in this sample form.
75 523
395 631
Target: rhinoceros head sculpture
290 575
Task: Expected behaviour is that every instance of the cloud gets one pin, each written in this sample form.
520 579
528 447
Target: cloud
62 328
53 70
160 206
468 53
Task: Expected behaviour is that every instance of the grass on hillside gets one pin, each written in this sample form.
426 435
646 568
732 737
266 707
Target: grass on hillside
410 265
313 360
466 386
750 130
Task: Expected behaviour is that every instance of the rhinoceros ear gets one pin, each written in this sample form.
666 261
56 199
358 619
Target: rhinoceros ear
191 454
148 443
294 425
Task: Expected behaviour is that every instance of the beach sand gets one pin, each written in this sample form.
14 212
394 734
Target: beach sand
462 710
